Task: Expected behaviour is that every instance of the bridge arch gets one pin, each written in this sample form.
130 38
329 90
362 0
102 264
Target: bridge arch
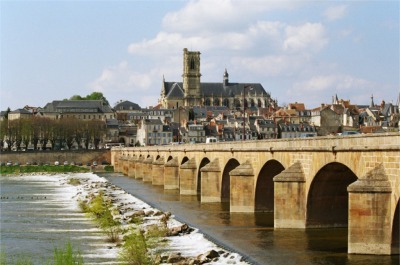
203 162
264 191
226 181
327 200
184 160
396 230
157 157
169 158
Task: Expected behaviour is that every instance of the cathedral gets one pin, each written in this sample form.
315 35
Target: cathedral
192 92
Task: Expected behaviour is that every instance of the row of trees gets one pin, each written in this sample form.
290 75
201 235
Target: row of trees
39 132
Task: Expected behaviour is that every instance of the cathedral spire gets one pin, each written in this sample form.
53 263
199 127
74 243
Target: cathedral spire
372 101
226 78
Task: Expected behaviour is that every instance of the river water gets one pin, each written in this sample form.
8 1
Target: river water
38 214
252 235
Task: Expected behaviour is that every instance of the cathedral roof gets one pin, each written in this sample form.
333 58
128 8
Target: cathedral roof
175 89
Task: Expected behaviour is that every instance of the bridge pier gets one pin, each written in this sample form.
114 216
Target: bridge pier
117 162
188 178
210 184
125 165
147 169
290 198
370 214
242 197
158 172
171 174
139 168
131 166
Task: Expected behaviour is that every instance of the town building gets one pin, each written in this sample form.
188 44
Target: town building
19 114
153 132
302 130
79 109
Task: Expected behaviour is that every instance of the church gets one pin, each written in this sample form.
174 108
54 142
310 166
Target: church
192 92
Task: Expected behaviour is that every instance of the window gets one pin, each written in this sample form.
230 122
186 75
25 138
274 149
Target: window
192 64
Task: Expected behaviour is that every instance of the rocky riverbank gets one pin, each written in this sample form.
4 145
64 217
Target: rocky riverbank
181 244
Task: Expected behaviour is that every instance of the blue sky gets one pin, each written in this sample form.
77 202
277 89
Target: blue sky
304 51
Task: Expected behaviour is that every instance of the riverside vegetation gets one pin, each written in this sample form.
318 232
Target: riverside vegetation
12 170
137 243
62 256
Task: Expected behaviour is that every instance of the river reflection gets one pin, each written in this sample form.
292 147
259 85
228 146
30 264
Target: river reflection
251 235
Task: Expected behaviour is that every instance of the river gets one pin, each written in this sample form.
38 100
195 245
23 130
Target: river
39 213
252 235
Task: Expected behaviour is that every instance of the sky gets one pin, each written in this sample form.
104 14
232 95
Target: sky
299 51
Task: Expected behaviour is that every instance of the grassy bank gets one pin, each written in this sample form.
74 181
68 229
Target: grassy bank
9 170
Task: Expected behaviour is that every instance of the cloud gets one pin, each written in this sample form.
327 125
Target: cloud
217 16
336 82
335 12
273 65
121 81
310 36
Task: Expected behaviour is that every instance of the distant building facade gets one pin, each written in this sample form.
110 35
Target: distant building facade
192 92
79 109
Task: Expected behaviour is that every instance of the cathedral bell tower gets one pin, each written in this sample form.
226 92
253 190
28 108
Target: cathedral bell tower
191 78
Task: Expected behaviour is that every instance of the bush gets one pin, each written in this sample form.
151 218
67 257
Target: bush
100 209
67 256
74 181
134 250
109 168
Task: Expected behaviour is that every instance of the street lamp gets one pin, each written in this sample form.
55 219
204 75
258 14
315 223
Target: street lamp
244 108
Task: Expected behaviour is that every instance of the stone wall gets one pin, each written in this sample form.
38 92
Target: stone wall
77 156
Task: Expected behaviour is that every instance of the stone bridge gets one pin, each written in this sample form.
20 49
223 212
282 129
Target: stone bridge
308 183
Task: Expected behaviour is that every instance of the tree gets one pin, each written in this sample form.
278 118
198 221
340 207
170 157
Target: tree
76 97
93 96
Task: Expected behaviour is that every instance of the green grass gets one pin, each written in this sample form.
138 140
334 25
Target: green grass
109 169
63 256
100 208
67 256
7 170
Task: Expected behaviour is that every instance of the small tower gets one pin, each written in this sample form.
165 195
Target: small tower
191 77
372 101
226 78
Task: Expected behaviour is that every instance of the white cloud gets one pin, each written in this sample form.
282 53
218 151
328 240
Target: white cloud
310 36
120 78
205 15
335 12
273 65
336 82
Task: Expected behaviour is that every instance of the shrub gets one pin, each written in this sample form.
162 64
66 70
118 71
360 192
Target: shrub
74 181
109 168
67 256
134 250
100 208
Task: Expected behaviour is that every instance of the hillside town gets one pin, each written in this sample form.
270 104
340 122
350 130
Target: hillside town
128 124
189 112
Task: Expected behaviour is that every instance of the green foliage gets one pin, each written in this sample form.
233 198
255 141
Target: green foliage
100 208
134 250
109 168
34 169
74 181
93 96
67 256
